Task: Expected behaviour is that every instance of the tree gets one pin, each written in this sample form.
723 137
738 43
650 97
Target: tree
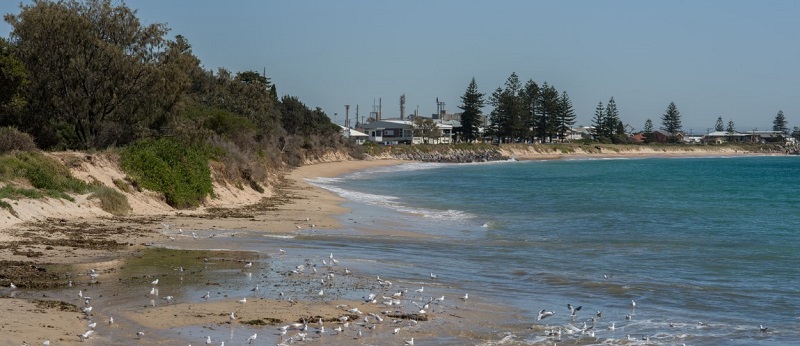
530 100
547 114
796 133
472 103
731 130
94 68
648 131
566 116
13 78
611 121
779 124
671 121
720 126
426 128
508 112
598 122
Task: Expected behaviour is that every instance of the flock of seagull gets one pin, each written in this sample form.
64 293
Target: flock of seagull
352 322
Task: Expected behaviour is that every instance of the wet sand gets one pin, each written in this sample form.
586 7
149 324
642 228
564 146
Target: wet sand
41 258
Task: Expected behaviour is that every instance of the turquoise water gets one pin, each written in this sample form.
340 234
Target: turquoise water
707 247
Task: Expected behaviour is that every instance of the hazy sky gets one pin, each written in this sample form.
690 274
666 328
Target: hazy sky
735 59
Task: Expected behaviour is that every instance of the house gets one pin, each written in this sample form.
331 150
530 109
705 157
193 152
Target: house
661 136
395 131
357 136
719 137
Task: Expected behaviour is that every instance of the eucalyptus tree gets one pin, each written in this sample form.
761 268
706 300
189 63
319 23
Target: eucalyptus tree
94 68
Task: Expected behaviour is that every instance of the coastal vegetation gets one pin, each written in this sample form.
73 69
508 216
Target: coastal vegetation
90 76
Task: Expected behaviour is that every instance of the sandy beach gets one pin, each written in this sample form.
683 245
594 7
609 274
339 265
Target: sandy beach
51 250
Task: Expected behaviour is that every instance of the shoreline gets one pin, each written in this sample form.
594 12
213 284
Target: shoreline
293 205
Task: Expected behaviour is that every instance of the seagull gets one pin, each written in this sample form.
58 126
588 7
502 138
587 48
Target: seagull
92 325
248 265
232 317
139 335
168 299
252 338
206 296
255 289
86 335
396 330
465 296
12 286
45 343
573 310
612 327
321 293
420 290
111 320
243 300
762 328
434 276
409 342
544 314
633 303
155 282
208 340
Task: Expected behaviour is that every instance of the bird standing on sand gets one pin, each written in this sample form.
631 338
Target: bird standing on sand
46 342
12 285
409 342
155 282
139 335
232 317
465 296
243 300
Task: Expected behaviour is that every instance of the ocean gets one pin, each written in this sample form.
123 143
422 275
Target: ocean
708 248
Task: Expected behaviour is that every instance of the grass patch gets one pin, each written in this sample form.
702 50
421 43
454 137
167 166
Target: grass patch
41 172
178 171
123 185
112 201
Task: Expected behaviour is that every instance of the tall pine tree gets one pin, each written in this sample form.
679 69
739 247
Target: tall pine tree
671 121
648 131
471 103
598 122
611 121
779 124
720 125
566 116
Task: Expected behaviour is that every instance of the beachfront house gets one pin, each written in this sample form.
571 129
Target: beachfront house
755 136
395 131
356 136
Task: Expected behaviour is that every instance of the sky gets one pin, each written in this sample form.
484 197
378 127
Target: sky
739 60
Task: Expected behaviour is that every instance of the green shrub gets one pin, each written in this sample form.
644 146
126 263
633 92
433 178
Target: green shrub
41 172
179 171
12 139
111 200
